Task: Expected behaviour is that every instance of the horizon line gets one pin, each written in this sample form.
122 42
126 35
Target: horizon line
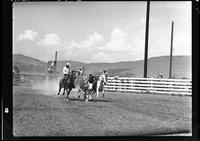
102 62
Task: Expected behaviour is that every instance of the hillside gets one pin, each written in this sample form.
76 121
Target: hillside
28 64
181 66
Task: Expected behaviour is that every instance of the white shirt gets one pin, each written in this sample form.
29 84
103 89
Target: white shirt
102 77
65 70
81 72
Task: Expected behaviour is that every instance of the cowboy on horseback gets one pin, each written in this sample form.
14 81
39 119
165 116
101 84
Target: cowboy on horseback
104 76
66 71
66 81
101 82
91 80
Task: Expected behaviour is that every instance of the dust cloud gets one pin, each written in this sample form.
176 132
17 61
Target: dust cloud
48 87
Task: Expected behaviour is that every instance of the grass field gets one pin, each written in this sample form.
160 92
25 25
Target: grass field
37 112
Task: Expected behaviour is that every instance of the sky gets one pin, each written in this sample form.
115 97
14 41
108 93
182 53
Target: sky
100 31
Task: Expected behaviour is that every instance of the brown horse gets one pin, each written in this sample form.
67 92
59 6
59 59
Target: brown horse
67 84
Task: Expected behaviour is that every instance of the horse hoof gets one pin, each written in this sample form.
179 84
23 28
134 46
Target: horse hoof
58 94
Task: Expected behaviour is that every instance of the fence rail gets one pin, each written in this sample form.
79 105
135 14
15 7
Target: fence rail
150 85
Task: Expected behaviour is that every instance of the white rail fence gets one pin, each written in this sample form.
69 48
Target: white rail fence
150 85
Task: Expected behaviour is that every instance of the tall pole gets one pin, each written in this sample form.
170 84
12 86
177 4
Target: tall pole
146 40
55 61
56 56
171 49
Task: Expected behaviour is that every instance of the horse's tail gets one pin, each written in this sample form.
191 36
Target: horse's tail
59 84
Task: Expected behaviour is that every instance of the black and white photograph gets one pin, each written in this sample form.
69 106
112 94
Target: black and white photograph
109 68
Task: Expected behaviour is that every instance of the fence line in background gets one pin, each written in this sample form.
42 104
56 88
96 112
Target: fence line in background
138 85
150 85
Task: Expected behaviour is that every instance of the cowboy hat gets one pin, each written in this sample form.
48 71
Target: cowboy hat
68 64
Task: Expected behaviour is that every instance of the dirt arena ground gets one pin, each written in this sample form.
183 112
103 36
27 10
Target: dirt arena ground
38 112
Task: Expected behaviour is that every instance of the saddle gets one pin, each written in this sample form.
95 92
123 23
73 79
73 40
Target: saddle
65 78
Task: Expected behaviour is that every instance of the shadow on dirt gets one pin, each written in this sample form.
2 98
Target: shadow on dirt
100 100
92 100
75 99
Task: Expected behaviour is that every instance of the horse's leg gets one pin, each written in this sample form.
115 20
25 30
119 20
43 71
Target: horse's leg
103 92
68 91
79 93
59 89
97 93
89 93
97 89
64 90
63 86
86 97
90 97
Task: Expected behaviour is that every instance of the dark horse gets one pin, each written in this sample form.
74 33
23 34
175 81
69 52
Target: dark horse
67 84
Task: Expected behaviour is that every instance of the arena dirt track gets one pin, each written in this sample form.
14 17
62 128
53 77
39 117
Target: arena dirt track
42 113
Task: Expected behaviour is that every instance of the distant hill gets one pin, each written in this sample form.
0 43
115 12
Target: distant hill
181 66
29 64
27 60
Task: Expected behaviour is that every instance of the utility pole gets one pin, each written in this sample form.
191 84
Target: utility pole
56 56
146 40
55 61
170 66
